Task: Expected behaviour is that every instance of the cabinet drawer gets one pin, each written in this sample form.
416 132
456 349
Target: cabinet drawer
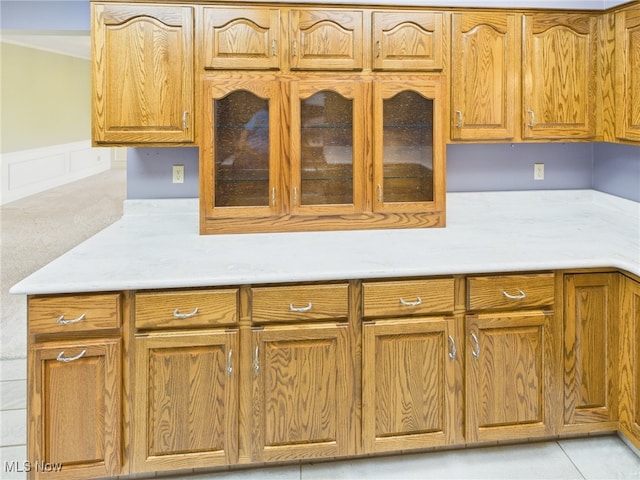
186 309
502 292
304 302
74 313
410 297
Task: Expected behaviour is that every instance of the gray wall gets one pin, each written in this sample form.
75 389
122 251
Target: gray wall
611 168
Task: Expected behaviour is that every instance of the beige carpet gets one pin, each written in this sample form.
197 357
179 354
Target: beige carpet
37 229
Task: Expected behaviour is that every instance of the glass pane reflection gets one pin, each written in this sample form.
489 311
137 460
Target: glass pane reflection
326 149
408 148
241 132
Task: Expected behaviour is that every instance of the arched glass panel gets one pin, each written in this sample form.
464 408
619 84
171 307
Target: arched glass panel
408 148
241 150
326 149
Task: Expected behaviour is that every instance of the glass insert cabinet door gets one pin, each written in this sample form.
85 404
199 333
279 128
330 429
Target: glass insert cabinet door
408 146
326 147
240 148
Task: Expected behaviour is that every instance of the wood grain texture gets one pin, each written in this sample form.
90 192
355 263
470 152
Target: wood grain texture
559 69
508 375
408 297
492 292
142 74
485 72
627 54
590 348
75 408
185 400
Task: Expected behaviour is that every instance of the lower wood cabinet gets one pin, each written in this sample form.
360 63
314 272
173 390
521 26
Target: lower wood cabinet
590 346
185 407
509 381
75 408
302 391
411 384
629 371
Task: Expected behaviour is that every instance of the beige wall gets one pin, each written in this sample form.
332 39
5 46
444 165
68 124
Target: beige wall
45 98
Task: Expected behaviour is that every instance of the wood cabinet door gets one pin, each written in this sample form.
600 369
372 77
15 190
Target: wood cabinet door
628 74
629 357
485 76
240 152
326 39
559 75
75 408
407 40
241 38
185 400
409 384
509 370
142 74
408 145
302 392
589 348
327 146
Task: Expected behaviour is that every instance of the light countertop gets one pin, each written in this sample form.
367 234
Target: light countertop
156 244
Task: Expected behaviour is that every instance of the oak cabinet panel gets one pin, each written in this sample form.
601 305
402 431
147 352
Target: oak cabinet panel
509 357
510 292
241 38
410 384
589 348
408 40
629 371
301 392
627 73
186 410
485 74
326 39
408 297
559 75
142 74
75 408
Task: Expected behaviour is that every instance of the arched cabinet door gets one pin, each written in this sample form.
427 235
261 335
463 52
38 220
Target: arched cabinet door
628 74
559 69
142 74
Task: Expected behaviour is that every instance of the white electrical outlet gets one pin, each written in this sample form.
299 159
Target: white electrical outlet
538 171
178 174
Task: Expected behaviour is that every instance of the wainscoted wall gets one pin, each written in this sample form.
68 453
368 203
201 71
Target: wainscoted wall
612 168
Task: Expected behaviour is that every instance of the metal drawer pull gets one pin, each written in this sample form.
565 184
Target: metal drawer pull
256 361
62 321
452 351
519 296
417 302
300 309
273 47
459 115
63 359
378 49
177 314
229 364
532 122
185 125
476 349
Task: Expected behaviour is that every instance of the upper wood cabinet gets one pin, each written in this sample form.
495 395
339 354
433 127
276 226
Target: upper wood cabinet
628 74
485 74
241 38
326 39
142 74
559 75
407 40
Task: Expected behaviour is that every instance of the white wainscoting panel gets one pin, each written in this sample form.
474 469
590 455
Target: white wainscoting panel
28 172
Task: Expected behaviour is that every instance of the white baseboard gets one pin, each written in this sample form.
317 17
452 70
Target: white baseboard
28 172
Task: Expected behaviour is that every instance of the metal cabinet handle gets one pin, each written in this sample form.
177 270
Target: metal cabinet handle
459 115
476 350
453 352
229 363
177 314
378 49
294 48
532 122
63 359
379 193
185 126
273 47
300 309
256 361
62 321
415 303
273 196
295 196
519 296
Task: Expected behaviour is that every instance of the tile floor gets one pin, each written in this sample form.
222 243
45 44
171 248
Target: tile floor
595 458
